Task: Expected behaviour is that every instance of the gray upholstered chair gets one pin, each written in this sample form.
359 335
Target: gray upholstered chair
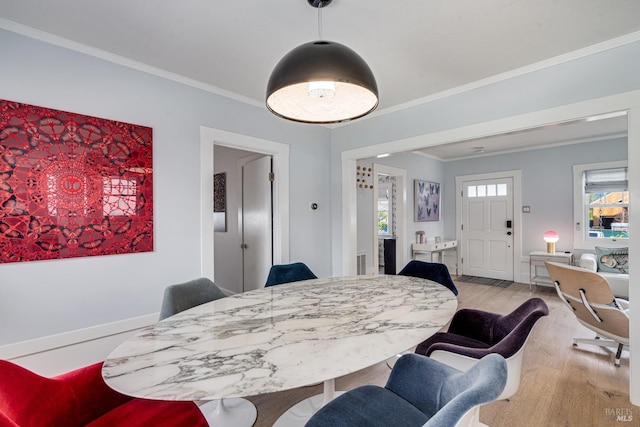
181 297
186 295
420 392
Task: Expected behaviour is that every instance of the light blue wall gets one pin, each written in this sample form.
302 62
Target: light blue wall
547 185
43 298
609 72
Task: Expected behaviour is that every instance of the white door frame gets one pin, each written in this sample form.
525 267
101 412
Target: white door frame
401 214
625 101
516 176
280 154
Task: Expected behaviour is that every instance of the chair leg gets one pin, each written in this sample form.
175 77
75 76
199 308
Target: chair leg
603 343
618 354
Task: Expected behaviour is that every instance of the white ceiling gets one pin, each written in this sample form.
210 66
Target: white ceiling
416 48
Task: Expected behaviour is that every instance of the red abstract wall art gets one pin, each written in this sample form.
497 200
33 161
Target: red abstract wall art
72 185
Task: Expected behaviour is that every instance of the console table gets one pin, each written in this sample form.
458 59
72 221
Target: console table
437 248
537 260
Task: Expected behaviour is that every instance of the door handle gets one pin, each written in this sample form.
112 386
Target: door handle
508 233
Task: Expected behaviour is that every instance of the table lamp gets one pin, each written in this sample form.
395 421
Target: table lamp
551 237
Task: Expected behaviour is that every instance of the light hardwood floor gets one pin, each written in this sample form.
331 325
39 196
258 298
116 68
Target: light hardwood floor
561 385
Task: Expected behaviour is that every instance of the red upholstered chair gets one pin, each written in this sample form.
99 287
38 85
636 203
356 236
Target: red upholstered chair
81 398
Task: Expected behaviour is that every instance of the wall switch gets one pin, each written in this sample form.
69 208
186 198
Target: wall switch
526 209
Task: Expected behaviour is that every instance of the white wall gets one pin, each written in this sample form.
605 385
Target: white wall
547 185
43 299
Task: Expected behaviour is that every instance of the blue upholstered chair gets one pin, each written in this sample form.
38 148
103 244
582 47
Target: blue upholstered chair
181 297
420 392
431 271
184 296
473 334
286 273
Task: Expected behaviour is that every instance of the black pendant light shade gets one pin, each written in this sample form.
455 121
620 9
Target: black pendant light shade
322 82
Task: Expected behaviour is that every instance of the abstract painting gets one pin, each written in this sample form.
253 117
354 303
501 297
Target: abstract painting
220 202
72 185
427 205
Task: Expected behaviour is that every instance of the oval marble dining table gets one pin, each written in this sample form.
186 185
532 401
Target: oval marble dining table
279 338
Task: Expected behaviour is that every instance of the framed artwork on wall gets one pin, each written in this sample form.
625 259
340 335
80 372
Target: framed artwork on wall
427 201
220 202
72 185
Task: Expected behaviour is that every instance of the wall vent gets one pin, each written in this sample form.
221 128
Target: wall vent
361 262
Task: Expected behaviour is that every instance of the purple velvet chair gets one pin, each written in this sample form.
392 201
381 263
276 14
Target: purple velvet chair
475 333
434 271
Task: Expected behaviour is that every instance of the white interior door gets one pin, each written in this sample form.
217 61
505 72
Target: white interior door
257 224
487 228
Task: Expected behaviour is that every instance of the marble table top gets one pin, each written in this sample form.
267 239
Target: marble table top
278 338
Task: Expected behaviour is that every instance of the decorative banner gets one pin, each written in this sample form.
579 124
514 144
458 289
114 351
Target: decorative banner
72 185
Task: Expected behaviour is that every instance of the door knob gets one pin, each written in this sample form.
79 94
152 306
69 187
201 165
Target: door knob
244 246
508 233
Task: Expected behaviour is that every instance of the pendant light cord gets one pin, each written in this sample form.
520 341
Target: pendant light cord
320 21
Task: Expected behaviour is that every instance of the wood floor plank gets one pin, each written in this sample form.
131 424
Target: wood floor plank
561 385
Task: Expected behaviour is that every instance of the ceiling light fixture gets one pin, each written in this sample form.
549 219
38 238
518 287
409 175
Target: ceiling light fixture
605 116
322 82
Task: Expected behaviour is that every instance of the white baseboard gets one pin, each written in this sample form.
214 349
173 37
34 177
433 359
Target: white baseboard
56 354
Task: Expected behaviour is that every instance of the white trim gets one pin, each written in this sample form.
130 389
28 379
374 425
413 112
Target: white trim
401 214
579 213
633 130
121 60
52 342
280 154
516 177
537 66
349 216
136 65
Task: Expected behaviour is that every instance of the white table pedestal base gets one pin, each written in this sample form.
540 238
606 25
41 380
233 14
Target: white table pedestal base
299 414
234 412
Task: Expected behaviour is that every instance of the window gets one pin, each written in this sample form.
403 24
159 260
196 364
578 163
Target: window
601 204
384 210
487 190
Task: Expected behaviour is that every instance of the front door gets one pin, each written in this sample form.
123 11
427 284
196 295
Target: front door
257 214
487 228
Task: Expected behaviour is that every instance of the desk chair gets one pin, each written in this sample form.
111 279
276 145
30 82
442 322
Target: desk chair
286 273
473 334
591 300
434 271
183 296
420 392
79 398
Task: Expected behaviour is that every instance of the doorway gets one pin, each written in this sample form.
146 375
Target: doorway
389 218
488 228
280 215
